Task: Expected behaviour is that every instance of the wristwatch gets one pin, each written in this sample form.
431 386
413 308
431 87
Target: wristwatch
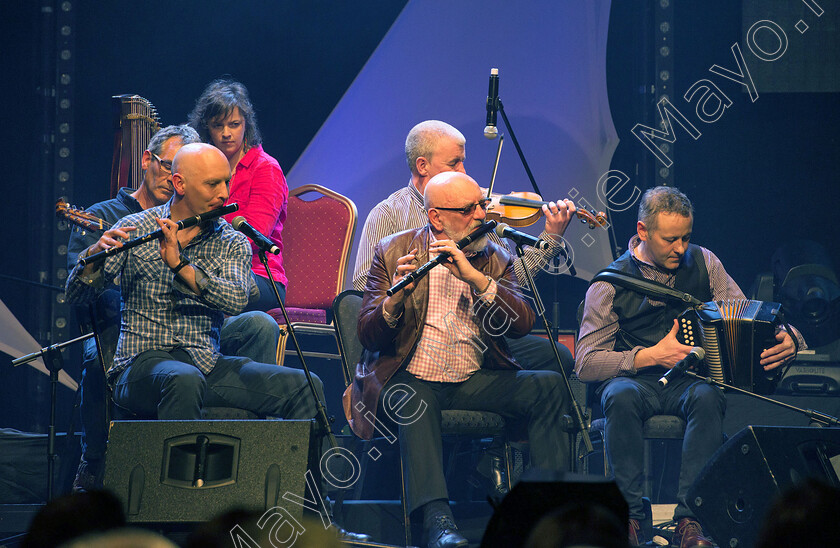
177 268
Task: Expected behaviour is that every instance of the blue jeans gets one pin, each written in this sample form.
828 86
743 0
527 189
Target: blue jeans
252 335
267 300
629 401
167 385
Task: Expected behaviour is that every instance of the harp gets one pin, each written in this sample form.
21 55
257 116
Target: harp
135 121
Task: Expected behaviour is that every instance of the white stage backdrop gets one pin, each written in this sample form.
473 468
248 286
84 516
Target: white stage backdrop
434 63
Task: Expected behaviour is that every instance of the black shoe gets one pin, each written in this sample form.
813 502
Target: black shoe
494 475
444 534
348 536
88 477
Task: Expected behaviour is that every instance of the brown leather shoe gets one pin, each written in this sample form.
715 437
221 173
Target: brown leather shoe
689 534
636 536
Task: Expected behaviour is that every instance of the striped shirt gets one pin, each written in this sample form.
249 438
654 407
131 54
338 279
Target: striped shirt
159 311
595 358
404 210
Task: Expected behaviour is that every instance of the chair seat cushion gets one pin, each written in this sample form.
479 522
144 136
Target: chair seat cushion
483 423
664 427
310 315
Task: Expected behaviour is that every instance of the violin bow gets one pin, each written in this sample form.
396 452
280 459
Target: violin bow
495 166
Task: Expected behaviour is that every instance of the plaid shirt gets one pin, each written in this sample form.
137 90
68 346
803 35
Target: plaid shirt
451 349
159 311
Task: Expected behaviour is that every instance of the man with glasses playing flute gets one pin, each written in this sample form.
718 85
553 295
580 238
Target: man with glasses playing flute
444 337
433 147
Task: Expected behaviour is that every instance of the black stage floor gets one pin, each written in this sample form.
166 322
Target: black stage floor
378 512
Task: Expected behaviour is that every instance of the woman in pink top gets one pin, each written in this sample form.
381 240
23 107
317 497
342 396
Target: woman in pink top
224 116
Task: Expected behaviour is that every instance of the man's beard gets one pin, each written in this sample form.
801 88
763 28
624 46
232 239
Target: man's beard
475 246
478 245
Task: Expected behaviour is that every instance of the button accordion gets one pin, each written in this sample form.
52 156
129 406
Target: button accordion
733 333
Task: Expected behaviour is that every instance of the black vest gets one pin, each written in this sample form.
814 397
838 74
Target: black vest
642 324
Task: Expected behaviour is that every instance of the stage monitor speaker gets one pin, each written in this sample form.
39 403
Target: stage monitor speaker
810 379
188 471
737 486
538 493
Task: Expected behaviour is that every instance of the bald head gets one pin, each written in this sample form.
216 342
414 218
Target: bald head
450 189
197 158
452 202
200 177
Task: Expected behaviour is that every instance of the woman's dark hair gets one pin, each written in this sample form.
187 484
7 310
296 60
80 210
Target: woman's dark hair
218 100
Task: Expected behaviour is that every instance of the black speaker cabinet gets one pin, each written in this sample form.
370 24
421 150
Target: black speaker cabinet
736 488
186 471
539 493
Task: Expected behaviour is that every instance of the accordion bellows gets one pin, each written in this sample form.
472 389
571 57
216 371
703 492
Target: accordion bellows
734 333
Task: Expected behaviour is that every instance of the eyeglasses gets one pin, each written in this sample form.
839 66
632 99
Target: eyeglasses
165 164
467 210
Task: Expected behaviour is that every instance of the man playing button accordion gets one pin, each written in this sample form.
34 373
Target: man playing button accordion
627 341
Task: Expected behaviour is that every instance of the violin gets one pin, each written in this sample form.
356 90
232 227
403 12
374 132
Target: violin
525 208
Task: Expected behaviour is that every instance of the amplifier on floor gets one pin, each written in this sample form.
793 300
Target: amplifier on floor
811 378
737 486
186 471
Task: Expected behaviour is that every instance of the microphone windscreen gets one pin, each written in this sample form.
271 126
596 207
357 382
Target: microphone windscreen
237 222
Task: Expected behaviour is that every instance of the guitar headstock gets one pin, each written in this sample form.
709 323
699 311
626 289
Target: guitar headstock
79 217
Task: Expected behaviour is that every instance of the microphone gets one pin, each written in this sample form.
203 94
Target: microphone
490 130
240 224
521 238
696 355
479 231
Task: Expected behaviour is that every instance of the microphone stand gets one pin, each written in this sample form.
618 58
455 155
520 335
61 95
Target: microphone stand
321 415
55 363
579 424
571 269
518 148
814 416
577 417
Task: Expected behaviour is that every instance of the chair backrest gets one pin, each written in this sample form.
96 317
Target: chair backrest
346 309
316 273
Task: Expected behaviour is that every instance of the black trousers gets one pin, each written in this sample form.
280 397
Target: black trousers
535 397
